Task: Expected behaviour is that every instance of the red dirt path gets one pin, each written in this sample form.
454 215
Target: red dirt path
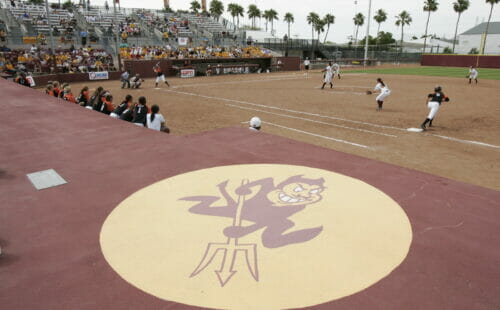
50 239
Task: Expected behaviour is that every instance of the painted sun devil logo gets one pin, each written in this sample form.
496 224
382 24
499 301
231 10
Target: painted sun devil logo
265 206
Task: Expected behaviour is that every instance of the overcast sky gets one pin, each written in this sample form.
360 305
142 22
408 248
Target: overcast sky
442 22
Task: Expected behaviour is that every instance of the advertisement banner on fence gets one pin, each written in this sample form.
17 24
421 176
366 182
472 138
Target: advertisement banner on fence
187 73
103 75
183 41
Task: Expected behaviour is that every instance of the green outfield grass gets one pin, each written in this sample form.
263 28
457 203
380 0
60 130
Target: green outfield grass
488 74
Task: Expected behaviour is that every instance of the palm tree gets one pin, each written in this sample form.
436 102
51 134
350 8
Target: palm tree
232 9
403 19
492 2
460 6
273 15
216 8
359 20
329 19
429 6
289 20
319 27
312 19
253 13
239 13
266 16
195 6
380 17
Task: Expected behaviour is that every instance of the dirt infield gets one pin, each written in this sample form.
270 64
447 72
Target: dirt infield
464 143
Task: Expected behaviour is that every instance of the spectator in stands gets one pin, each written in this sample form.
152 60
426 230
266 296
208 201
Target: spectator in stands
155 120
26 15
140 112
124 36
3 35
118 111
68 95
13 3
84 34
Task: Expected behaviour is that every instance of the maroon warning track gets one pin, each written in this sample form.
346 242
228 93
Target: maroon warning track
51 257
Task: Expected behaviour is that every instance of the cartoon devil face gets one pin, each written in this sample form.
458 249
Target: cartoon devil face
297 191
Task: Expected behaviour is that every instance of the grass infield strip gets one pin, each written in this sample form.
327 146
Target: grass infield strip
487 74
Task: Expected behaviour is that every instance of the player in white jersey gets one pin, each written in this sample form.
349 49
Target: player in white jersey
473 74
383 91
328 76
336 70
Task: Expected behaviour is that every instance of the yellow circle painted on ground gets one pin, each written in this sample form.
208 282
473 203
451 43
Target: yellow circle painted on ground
288 237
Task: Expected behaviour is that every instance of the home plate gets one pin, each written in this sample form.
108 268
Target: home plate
415 129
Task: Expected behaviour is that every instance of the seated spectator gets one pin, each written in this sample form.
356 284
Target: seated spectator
56 89
3 35
122 107
107 104
156 121
68 95
96 99
21 79
128 113
140 112
63 86
49 90
84 98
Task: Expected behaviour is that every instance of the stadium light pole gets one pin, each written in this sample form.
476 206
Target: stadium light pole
367 32
116 37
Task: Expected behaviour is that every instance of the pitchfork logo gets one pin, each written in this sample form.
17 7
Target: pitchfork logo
261 205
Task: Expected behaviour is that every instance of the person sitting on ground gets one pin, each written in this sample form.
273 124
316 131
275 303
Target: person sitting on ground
22 80
140 112
68 95
107 104
55 85
49 90
128 113
98 105
118 111
156 121
84 97
63 86
94 98
136 81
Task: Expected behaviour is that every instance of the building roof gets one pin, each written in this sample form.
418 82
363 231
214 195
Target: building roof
481 28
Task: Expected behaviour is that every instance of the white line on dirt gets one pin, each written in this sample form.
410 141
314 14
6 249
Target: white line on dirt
313 121
334 118
284 78
288 110
319 136
466 141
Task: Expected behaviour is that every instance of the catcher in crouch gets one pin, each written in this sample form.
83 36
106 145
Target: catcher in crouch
383 91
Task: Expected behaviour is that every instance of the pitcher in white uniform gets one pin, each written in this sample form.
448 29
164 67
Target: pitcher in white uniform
383 91
328 76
